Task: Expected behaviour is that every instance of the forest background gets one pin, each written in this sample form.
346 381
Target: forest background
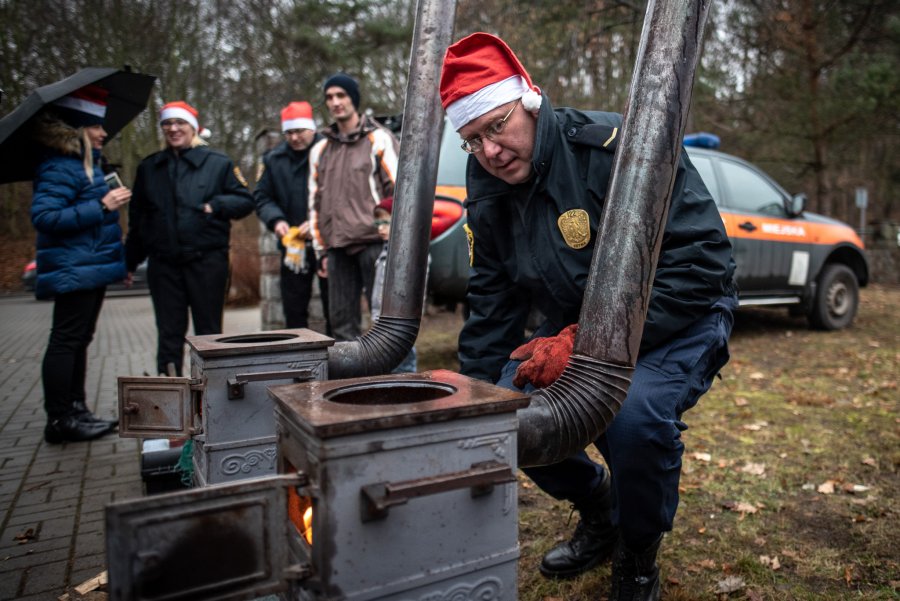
806 89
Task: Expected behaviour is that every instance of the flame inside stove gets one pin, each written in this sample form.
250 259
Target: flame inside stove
300 512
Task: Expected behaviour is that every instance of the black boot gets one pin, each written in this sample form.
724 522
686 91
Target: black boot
635 576
593 541
84 415
70 429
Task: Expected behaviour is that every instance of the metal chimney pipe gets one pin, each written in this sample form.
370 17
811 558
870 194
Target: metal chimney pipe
389 340
570 414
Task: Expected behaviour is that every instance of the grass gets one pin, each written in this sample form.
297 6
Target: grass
789 486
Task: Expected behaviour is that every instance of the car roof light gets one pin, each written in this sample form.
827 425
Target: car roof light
702 140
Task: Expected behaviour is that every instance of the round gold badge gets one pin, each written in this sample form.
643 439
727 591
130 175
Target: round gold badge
575 226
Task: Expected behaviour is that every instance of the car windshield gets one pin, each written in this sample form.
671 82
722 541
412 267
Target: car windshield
452 164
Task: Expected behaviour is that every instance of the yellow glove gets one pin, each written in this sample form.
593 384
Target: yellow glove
295 251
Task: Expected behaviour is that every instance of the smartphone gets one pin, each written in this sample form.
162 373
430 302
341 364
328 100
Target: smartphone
112 180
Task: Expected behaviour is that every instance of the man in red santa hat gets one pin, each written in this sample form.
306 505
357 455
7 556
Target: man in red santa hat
537 182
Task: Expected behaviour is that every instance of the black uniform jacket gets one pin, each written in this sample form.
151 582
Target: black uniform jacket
520 257
282 192
165 216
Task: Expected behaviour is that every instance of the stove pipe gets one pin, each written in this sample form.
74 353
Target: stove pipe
570 414
382 348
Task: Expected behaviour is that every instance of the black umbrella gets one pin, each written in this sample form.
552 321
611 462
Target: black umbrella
128 95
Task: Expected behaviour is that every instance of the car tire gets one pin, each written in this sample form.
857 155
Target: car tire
837 298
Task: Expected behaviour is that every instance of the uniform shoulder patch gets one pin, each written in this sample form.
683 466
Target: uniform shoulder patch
595 135
240 176
470 242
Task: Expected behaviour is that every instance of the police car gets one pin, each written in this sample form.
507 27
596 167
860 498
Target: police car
785 255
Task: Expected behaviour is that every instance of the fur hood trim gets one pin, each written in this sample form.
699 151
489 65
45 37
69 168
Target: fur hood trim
56 135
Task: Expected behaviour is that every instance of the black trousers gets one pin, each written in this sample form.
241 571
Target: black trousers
65 360
296 292
200 286
349 276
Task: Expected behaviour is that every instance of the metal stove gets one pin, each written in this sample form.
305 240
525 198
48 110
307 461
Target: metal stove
392 487
223 405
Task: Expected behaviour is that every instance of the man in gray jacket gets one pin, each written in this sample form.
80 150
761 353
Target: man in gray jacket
351 169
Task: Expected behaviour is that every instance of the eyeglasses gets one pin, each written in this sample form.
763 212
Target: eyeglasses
475 143
380 222
170 123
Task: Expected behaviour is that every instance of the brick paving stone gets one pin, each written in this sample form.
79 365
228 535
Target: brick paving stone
9 586
45 578
31 557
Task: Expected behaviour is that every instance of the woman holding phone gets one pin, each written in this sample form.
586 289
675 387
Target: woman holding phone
79 252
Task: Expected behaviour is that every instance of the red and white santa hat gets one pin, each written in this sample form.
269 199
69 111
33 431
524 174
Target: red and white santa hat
84 106
180 110
297 115
480 73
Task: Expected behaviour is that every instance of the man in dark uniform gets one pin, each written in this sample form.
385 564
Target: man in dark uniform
281 197
537 181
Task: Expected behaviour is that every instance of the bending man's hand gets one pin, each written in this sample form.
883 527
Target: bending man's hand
544 359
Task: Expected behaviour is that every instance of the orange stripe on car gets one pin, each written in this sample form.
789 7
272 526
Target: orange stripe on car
787 230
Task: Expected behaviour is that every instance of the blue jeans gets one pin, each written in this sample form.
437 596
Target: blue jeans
642 447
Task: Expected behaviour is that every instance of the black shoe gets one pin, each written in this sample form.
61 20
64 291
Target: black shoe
70 429
84 415
635 576
593 541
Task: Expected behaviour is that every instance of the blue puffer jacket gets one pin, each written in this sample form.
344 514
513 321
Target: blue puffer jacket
79 245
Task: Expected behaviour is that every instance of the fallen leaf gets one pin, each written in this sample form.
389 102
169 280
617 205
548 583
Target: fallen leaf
740 507
673 581
848 575
869 461
757 375
753 595
731 584
741 402
770 562
709 564
24 537
755 426
826 488
754 469
702 456
855 488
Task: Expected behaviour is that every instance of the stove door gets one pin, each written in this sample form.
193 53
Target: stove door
217 542
156 407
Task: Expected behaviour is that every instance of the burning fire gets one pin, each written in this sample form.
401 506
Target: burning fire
300 512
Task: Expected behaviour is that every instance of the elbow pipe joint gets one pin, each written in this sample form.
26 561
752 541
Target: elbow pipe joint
573 412
376 352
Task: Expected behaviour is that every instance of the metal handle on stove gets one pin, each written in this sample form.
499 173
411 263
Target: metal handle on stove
237 381
378 498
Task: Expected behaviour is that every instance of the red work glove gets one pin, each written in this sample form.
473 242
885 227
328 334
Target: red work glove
544 359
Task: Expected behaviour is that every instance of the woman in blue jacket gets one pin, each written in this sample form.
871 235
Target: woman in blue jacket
79 252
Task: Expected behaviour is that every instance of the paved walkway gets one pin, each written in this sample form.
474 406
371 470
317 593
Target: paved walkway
53 496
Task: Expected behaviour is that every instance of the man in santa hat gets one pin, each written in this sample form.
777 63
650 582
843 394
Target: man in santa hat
282 204
537 181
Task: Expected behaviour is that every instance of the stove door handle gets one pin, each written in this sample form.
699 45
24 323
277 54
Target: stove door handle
378 498
237 381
